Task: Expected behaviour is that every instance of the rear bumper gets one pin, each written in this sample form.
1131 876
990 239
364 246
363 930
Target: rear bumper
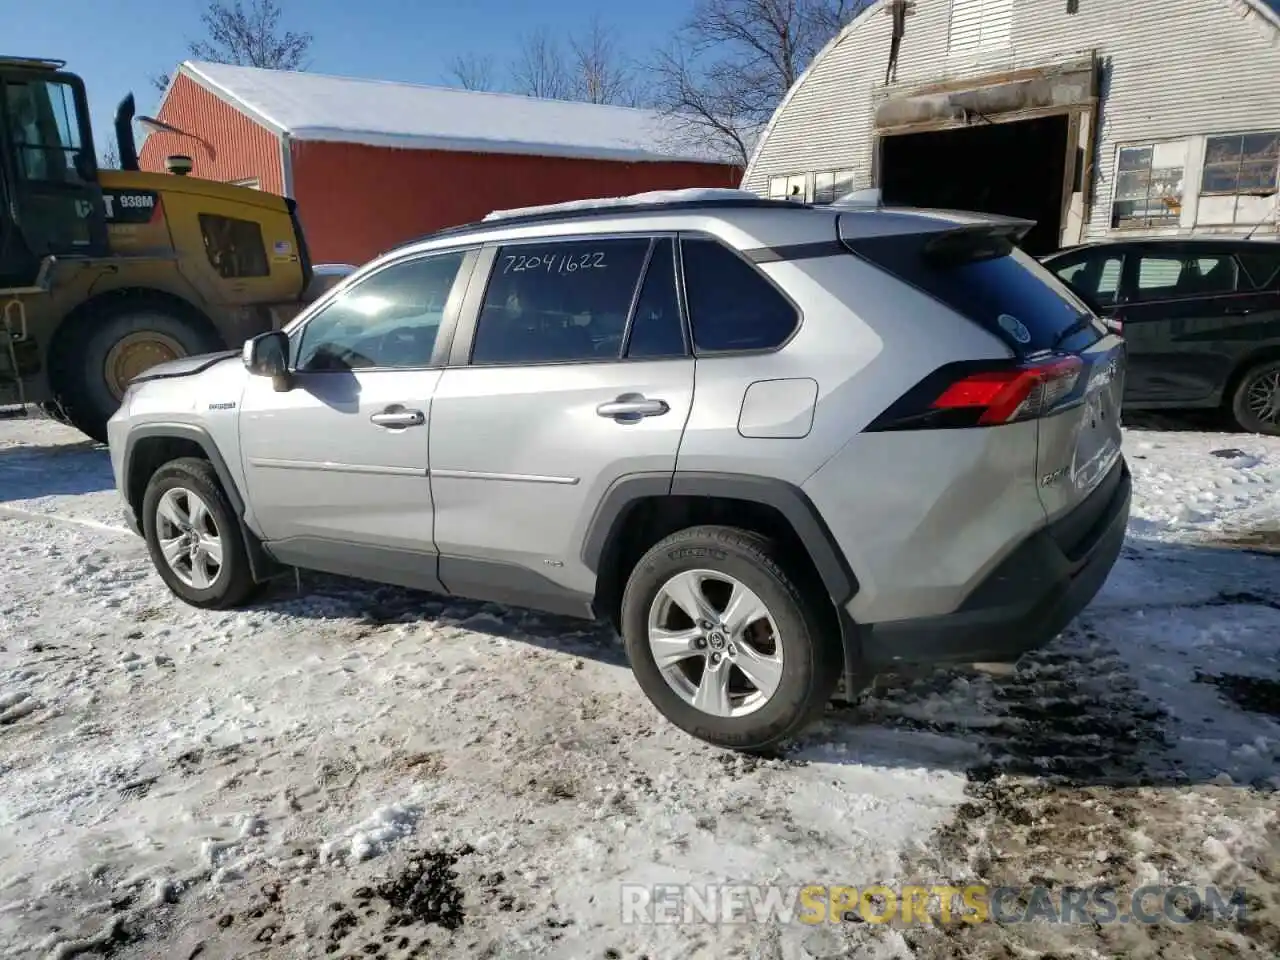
1026 601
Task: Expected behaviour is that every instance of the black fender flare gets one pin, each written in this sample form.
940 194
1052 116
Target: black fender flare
260 565
786 498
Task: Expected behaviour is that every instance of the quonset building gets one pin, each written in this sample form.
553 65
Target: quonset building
1095 118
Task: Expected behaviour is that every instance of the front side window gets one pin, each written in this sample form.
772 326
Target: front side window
559 301
731 305
1169 277
44 124
391 319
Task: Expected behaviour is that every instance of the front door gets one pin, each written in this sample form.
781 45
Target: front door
336 467
50 169
577 373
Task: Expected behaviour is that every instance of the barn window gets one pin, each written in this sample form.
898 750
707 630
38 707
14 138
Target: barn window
1149 185
234 247
793 187
980 25
830 185
1241 164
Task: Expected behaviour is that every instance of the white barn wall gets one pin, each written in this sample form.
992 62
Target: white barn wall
1178 68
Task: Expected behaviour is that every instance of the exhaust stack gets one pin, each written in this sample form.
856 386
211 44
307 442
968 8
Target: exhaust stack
124 134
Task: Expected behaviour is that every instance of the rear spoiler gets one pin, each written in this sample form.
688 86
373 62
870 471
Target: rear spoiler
971 242
940 242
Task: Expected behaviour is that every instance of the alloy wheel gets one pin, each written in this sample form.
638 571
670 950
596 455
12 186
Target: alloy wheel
715 643
189 538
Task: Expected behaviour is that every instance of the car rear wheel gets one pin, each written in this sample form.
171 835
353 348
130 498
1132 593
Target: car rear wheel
1256 403
723 642
193 536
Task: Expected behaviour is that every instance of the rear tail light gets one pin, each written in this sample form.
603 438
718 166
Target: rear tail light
983 395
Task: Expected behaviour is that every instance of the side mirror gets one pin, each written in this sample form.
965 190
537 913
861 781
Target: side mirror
267 355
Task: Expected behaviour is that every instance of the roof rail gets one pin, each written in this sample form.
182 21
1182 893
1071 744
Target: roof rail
32 63
590 213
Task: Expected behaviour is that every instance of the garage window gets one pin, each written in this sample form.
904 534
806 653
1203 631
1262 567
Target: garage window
1149 185
234 247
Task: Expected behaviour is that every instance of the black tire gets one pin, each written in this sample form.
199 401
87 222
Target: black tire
1257 377
81 371
812 656
233 583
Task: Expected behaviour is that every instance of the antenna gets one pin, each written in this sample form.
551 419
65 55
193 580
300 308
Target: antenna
1258 226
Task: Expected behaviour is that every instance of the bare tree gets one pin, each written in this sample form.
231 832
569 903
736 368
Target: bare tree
729 67
246 34
601 73
110 158
540 69
472 71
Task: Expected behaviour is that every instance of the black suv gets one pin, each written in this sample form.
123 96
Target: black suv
1200 316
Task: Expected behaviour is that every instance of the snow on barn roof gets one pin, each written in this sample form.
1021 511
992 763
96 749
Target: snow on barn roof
313 106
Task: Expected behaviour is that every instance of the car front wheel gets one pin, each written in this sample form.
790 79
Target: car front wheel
193 536
722 640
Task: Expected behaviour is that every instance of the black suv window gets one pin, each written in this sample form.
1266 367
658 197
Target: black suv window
731 305
1097 276
656 330
390 319
559 301
1263 267
1176 275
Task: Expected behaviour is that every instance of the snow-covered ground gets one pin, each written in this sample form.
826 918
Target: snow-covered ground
348 769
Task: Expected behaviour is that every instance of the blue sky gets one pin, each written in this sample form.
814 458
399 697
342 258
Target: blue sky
116 45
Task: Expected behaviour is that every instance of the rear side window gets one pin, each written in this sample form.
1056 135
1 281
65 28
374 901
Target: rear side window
656 329
731 305
983 276
559 301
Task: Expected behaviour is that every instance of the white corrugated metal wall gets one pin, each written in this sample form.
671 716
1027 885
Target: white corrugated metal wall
1179 70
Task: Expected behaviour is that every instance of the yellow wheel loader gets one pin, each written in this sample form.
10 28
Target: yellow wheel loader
104 273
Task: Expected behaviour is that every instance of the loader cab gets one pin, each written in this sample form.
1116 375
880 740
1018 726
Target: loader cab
52 203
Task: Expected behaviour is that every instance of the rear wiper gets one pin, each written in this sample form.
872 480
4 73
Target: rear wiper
1082 322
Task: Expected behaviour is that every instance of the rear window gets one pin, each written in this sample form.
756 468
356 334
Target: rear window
982 275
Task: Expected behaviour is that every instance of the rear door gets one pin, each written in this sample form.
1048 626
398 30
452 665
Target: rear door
1183 316
570 369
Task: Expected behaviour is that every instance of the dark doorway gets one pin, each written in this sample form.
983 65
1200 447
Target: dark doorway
1015 169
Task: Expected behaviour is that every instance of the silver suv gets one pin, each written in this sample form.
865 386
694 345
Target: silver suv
777 446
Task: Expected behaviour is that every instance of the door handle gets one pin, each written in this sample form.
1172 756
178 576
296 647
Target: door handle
631 407
397 417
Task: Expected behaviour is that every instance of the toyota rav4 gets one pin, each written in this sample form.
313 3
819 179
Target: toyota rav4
779 447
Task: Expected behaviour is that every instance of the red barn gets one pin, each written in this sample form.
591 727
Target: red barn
373 163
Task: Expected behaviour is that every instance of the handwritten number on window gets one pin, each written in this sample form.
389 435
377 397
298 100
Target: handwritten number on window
562 264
